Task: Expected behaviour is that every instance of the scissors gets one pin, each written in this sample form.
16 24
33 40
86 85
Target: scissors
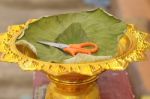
73 49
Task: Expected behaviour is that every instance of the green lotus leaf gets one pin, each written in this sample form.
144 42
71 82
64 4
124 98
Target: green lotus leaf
85 58
74 34
93 26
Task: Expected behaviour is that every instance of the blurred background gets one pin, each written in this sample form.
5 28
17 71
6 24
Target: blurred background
17 84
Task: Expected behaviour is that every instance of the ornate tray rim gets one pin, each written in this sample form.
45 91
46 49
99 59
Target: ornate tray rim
9 53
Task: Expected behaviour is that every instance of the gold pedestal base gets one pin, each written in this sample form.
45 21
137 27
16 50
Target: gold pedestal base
88 91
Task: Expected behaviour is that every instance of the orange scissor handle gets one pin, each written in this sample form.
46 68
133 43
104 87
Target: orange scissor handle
73 49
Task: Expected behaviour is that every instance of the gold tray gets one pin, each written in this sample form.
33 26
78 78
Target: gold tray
73 78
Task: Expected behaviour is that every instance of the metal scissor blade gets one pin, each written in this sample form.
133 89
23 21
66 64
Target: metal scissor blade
58 45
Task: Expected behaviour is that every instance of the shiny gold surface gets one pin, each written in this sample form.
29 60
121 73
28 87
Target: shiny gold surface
89 91
73 81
